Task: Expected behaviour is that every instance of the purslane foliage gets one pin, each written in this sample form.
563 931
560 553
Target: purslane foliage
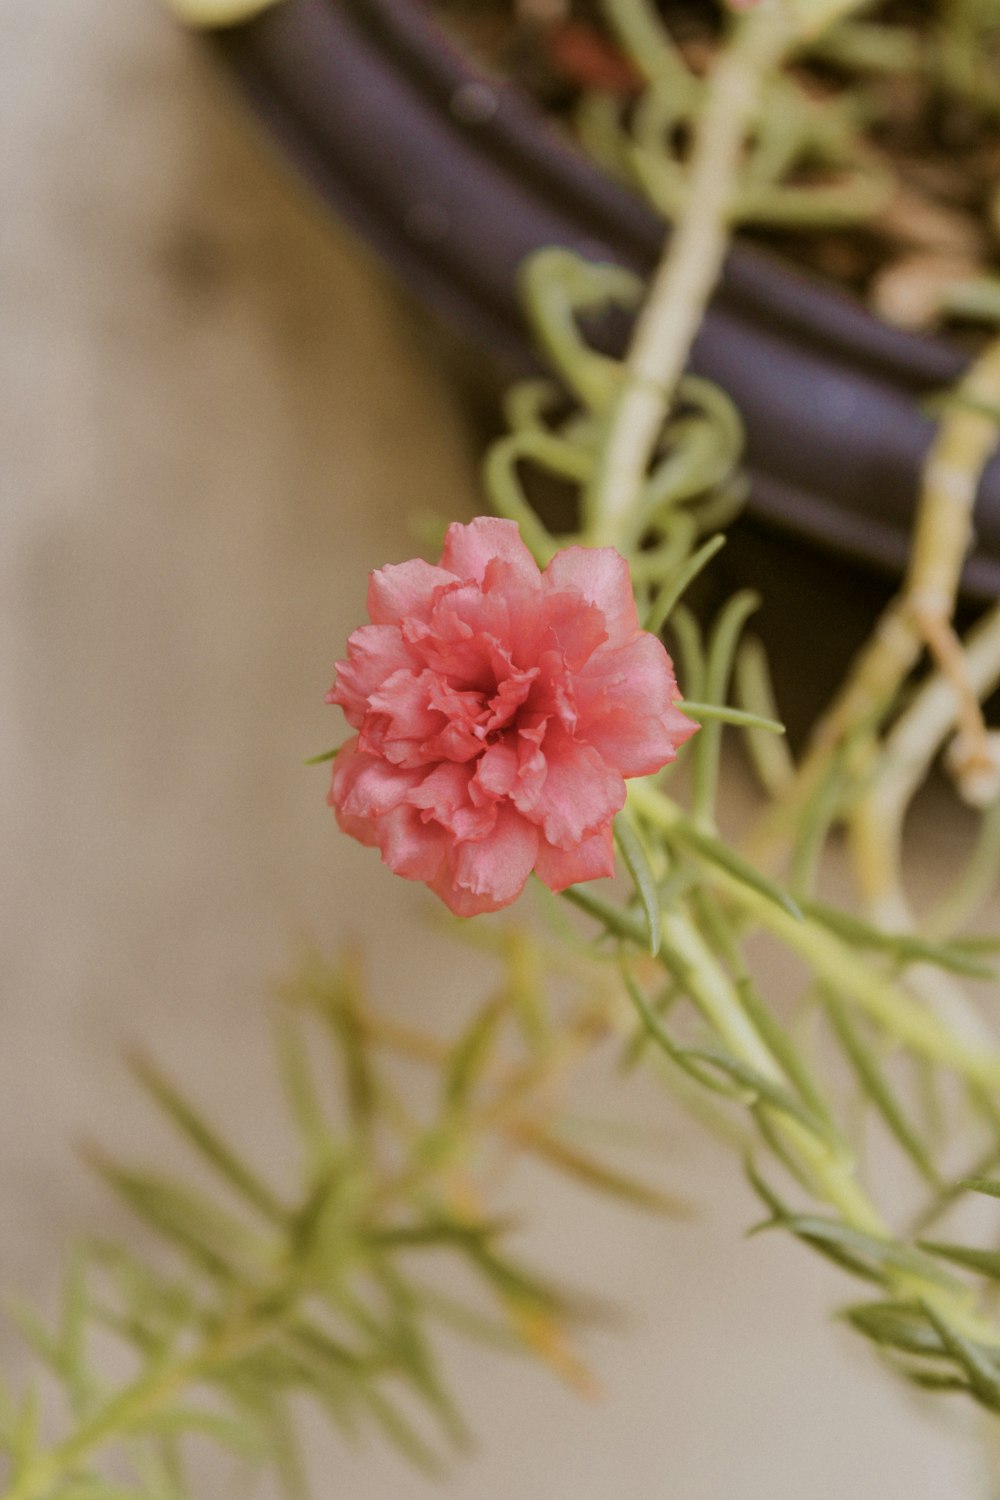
326 1287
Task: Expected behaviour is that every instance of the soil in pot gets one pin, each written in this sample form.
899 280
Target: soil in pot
899 120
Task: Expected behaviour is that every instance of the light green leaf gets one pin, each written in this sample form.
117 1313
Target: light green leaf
876 1085
684 833
672 591
472 1054
596 1174
984 1378
207 1141
904 946
637 861
986 1262
726 715
987 1185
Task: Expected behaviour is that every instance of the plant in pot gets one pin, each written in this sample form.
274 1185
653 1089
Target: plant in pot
513 712
456 178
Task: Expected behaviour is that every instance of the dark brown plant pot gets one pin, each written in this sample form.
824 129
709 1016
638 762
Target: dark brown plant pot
455 179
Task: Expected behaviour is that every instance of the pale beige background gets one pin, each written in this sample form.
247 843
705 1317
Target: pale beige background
214 418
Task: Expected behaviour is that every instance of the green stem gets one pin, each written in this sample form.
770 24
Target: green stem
888 1004
687 274
125 1412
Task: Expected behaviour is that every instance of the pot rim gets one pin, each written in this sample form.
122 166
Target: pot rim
455 177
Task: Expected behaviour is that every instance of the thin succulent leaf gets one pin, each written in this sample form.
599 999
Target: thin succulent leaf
34 1331
896 1325
597 1174
209 1235
903 946
637 862
615 919
868 1255
401 1433
468 1321
24 1433
685 1058
640 30
875 1084
727 715
984 1379
707 847
976 882
416 1357
324 1234
707 745
777 1207
472 1053
815 823
674 590
724 939
237 1434
437 1230
762 1090
525 989
770 757
73 1331
988 1185
528 403
689 650
323 757
518 1287
342 1014
300 1088
162 1306
558 284
985 1262
779 1043
283 1447
980 943
930 1380
774 1035
207 1141
641 1037
949 1192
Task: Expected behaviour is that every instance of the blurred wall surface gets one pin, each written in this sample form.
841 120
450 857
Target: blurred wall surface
215 416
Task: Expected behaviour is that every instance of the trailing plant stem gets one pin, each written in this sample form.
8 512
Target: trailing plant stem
130 1408
691 265
819 1157
686 277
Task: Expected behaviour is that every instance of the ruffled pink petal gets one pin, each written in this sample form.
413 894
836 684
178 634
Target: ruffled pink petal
490 873
400 720
445 795
580 792
366 786
411 847
496 771
405 591
574 628
468 550
499 711
358 827
593 859
625 702
602 576
374 653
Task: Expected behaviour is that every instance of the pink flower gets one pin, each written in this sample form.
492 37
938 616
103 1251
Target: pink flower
498 710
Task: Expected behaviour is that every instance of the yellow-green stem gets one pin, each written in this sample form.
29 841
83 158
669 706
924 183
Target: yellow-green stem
126 1412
